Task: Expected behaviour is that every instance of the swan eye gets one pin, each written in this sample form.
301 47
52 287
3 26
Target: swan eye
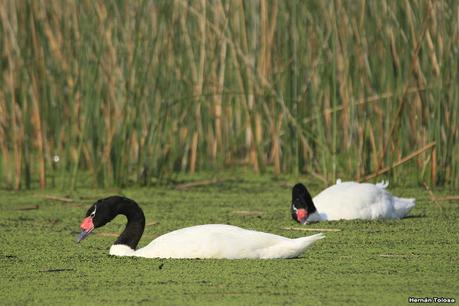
93 214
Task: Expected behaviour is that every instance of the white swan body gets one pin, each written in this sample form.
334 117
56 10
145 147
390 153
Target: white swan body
352 200
219 241
202 241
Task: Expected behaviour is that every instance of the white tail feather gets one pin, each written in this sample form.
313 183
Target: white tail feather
291 248
403 206
305 242
383 184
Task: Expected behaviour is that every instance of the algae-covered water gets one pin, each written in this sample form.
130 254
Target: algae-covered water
377 262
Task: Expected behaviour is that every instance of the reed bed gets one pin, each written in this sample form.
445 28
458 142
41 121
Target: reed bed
125 92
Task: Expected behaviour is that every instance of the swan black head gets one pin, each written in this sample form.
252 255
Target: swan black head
302 205
105 210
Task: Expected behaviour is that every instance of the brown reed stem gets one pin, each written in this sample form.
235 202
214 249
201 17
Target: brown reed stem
400 162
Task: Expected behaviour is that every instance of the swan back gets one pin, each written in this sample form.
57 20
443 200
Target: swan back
351 200
224 241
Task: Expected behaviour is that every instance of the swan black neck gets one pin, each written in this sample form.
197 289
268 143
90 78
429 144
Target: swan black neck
117 205
301 198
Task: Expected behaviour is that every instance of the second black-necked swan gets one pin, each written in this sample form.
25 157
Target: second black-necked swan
202 241
348 200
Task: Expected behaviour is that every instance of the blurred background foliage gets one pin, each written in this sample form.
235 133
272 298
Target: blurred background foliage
129 92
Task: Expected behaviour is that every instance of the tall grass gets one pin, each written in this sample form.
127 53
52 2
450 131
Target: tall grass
129 91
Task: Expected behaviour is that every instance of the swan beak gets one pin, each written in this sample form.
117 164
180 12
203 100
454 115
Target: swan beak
87 226
83 235
302 216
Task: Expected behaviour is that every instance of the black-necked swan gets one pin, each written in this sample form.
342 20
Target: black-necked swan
348 200
202 241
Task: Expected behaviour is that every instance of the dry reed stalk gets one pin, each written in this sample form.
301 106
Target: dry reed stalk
39 139
251 71
342 72
308 229
433 169
54 40
432 196
361 158
89 161
198 89
16 128
59 198
35 99
245 101
433 55
268 24
400 161
374 149
250 90
29 207
220 14
12 51
4 120
447 198
398 255
249 39
248 212
414 64
357 102
197 73
276 146
194 152
106 234
198 184
394 53
4 141
18 140
109 70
